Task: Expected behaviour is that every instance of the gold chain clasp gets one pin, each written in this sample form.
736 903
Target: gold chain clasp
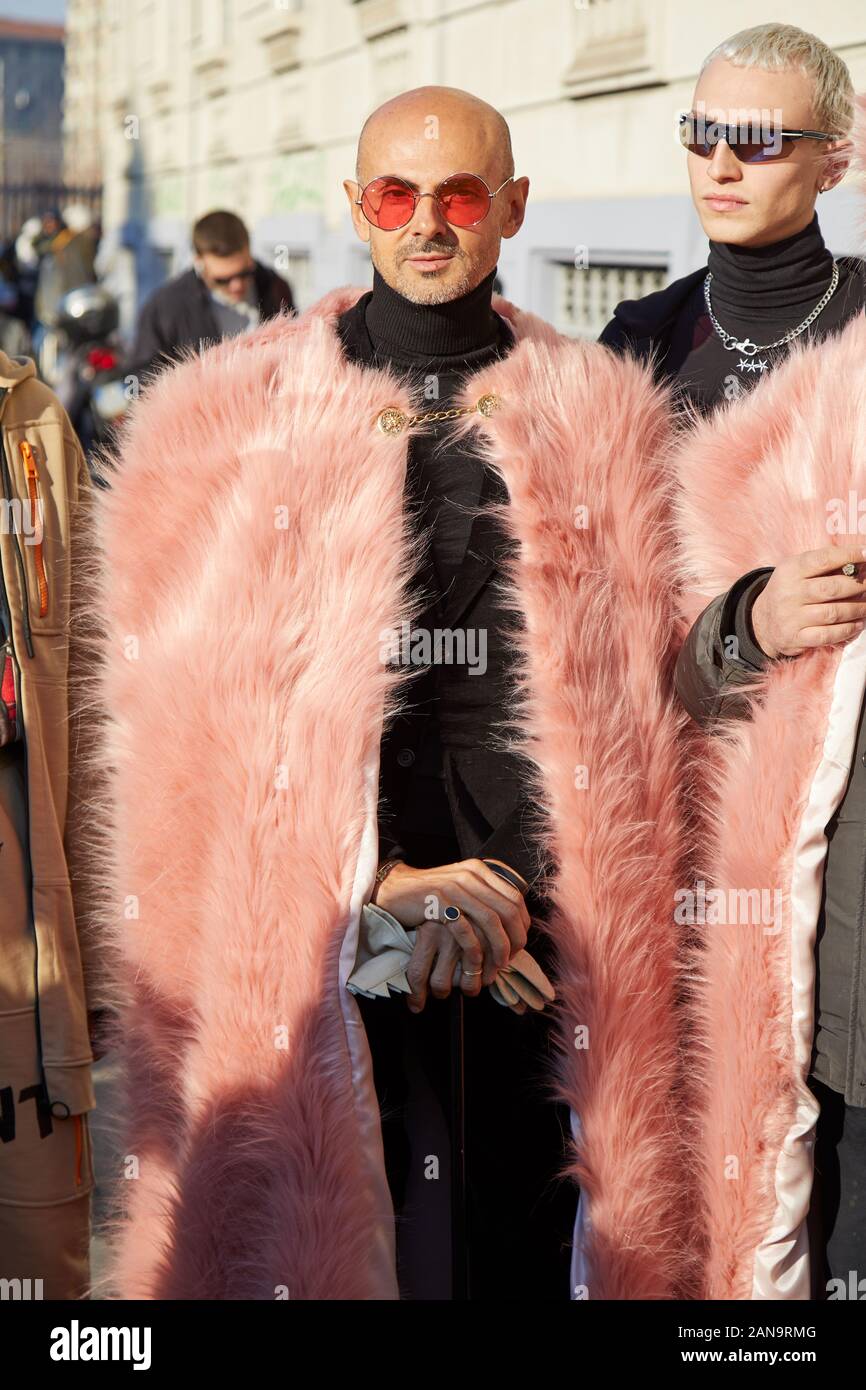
392 421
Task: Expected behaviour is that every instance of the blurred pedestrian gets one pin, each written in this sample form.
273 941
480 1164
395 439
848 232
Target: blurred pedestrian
225 292
66 250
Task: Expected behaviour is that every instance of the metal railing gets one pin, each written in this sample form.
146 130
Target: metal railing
18 201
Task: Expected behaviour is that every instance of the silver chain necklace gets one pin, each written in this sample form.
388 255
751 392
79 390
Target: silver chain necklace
733 344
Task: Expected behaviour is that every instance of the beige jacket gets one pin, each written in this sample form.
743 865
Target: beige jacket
42 460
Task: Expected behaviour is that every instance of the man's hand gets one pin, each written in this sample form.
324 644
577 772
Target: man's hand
433 964
493 924
808 603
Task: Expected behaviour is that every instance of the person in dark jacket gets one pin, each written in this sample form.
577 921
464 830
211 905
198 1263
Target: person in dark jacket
225 292
769 280
772 281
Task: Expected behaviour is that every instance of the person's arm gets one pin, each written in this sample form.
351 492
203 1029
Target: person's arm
390 854
614 336
807 600
515 843
721 654
283 296
150 350
274 294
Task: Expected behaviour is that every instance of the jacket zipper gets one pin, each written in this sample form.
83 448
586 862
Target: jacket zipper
22 573
9 659
33 489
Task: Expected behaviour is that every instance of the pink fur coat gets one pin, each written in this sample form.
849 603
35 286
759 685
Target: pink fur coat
759 481
254 549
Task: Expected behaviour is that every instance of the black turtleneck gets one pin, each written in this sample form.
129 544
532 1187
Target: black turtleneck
781 283
433 347
462 332
760 293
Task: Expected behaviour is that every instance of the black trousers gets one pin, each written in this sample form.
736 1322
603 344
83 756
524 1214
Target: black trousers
837 1217
510 1238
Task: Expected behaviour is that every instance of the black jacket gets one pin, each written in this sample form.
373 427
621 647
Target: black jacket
643 327
491 807
180 315
721 654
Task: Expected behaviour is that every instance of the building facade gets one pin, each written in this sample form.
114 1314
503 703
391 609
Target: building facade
84 108
31 100
256 105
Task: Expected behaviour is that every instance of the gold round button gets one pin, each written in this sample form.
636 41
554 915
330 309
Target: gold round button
487 404
391 420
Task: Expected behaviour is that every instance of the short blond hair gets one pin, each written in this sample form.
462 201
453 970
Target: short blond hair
777 47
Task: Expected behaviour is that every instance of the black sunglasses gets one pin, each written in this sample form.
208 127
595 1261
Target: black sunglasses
223 280
700 136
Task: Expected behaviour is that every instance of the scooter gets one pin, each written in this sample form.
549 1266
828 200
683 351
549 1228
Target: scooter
86 365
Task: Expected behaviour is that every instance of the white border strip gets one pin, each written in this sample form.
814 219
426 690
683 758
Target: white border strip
781 1269
381 1259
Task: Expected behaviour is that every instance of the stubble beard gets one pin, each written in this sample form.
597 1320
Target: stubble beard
435 288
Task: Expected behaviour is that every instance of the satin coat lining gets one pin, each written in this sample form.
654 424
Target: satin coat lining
781 1268
381 1258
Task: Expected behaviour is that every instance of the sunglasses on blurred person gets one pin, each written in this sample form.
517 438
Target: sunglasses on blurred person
389 202
700 136
222 281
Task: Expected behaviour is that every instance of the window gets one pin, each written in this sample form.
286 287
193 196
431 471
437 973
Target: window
615 45
586 298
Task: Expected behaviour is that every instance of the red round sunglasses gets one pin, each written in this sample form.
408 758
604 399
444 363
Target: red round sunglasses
389 202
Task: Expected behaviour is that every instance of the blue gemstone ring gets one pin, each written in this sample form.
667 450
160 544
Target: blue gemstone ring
452 914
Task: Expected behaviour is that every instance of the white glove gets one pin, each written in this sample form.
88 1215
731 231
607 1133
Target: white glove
384 949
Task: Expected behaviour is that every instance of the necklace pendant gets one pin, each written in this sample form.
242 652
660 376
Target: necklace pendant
750 364
747 346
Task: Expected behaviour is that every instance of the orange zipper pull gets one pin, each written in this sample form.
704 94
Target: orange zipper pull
33 489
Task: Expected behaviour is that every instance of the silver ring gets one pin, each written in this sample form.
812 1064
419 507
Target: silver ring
467 974
849 569
452 913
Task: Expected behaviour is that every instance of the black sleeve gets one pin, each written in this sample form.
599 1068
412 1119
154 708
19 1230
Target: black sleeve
151 346
514 842
720 656
736 619
626 342
508 842
389 848
285 298
614 335
275 294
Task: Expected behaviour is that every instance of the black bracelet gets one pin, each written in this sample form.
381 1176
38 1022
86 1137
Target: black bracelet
510 875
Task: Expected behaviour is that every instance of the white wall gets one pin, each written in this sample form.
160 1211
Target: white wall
256 105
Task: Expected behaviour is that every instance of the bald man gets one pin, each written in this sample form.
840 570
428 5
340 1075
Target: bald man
332 485
453 801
